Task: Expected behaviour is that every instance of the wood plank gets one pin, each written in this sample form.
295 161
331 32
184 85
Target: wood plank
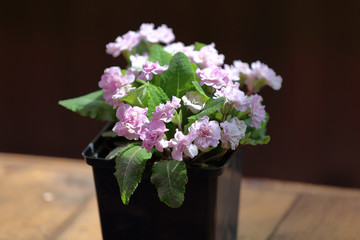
321 217
53 198
260 212
297 187
86 225
39 194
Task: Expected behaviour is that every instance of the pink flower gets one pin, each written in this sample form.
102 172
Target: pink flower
213 76
165 112
161 34
150 68
233 72
132 120
206 133
114 48
207 56
234 96
262 71
112 80
232 132
153 135
257 111
130 40
182 144
126 42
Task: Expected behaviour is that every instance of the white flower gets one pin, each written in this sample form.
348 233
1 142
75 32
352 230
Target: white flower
179 47
162 34
242 67
137 62
207 56
232 132
148 32
194 101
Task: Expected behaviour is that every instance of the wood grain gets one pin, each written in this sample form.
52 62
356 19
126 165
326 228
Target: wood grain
260 212
86 225
54 198
321 217
39 196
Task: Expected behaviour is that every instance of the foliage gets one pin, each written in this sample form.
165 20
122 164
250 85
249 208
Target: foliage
177 106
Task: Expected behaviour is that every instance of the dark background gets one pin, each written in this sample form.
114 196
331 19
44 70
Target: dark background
52 50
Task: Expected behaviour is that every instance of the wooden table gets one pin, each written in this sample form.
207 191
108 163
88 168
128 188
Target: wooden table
53 198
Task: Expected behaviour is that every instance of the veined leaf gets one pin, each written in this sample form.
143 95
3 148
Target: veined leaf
148 95
211 107
130 164
155 96
176 81
114 153
200 90
157 53
91 105
137 97
170 178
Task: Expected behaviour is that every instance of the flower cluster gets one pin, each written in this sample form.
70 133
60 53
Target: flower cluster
180 103
164 128
131 39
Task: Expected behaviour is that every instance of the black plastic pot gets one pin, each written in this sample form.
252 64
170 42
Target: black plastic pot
210 209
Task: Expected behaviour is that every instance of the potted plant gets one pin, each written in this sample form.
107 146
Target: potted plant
178 118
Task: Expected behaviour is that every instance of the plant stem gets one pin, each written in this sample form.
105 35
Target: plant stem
187 113
223 117
220 155
196 158
168 152
126 55
250 92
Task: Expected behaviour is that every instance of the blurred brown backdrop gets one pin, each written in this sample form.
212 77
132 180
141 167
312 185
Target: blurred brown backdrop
52 50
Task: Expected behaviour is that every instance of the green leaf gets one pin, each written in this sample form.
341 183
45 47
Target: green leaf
114 153
177 119
91 105
170 178
141 48
240 115
137 97
254 142
200 90
211 107
176 81
199 45
157 53
155 96
148 95
109 134
130 164
256 136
